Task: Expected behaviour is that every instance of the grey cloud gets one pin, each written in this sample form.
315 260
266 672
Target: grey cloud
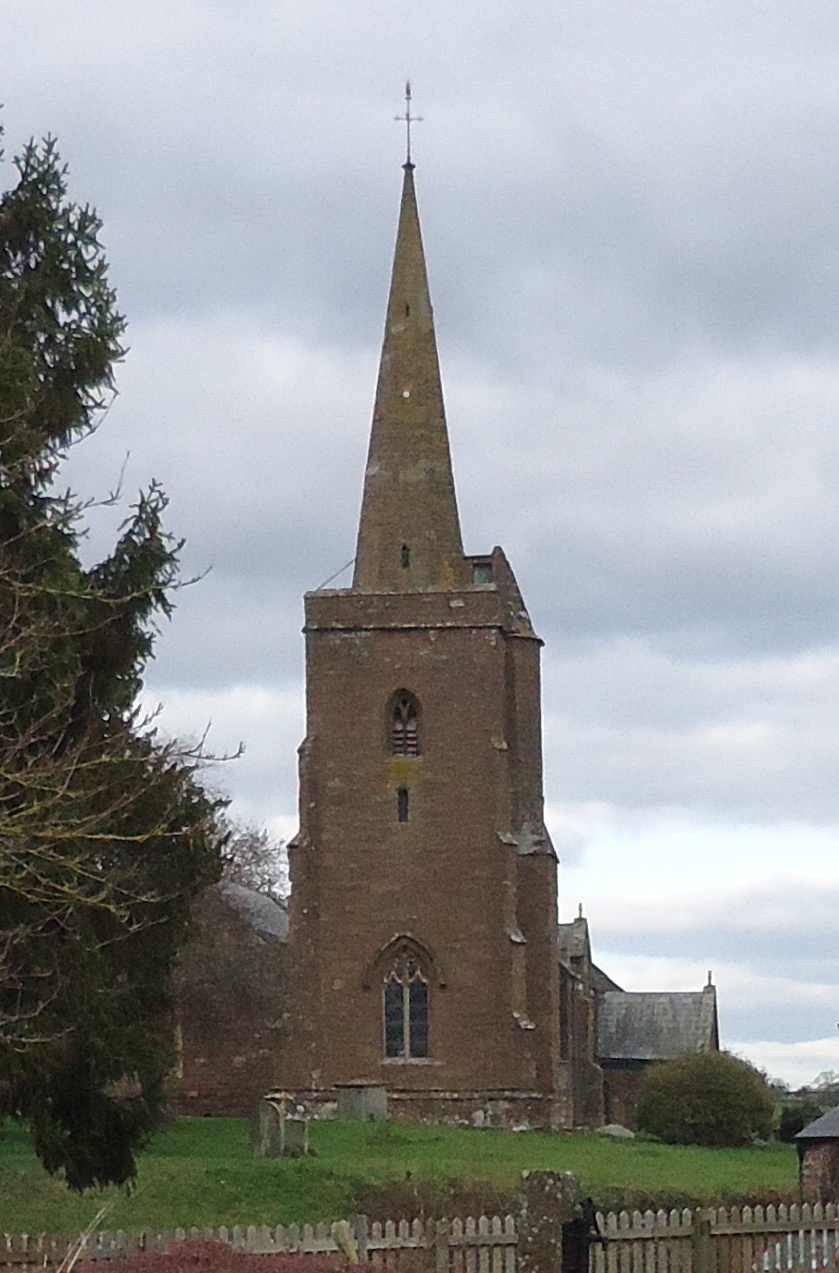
786 1022
701 502
230 634
798 951
629 223
651 198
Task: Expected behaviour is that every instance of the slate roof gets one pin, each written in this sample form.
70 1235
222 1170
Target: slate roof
600 981
656 1026
824 1128
266 915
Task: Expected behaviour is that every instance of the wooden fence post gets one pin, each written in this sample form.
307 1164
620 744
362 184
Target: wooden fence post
441 1246
362 1233
701 1246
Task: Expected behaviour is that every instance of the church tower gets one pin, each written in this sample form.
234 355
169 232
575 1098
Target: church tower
423 940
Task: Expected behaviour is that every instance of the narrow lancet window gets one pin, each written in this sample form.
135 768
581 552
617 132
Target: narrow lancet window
405 1003
404 732
405 556
402 798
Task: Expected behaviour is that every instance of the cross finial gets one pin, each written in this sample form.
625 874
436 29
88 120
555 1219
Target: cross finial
407 119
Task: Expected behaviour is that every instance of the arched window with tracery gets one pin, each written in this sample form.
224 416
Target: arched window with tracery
404 725
405 1004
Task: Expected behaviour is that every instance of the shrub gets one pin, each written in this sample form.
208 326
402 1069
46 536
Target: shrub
705 1098
203 1255
795 1117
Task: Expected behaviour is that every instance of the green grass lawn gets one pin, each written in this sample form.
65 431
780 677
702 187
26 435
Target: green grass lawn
200 1171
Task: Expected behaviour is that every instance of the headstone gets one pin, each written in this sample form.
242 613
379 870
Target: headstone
295 1137
278 1133
267 1129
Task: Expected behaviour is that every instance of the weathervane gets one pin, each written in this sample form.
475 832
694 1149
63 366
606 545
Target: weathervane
407 119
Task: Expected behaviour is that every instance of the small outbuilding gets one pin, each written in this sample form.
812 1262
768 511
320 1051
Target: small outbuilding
635 1030
818 1157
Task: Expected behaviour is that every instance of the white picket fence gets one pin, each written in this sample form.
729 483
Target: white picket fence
720 1240
713 1240
483 1245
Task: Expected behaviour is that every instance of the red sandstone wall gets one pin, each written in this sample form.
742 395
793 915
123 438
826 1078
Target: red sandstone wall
621 1095
359 877
227 1080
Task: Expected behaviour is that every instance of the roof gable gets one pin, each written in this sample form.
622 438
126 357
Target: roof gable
656 1026
824 1128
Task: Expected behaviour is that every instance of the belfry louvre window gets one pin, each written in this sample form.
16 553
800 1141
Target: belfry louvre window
404 733
405 1002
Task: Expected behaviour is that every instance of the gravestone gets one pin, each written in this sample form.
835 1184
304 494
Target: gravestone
295 1137
278 1133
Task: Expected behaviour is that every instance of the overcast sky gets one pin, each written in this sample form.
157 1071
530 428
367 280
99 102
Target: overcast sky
631 219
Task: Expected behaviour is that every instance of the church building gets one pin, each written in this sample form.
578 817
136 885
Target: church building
424 951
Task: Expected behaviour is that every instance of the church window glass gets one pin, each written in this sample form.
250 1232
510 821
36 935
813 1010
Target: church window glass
405 556
402 798
404 734
406 1010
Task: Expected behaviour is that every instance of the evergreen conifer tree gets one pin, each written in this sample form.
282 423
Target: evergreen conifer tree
105 831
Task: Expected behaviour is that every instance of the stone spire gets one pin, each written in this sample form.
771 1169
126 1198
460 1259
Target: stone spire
409 531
